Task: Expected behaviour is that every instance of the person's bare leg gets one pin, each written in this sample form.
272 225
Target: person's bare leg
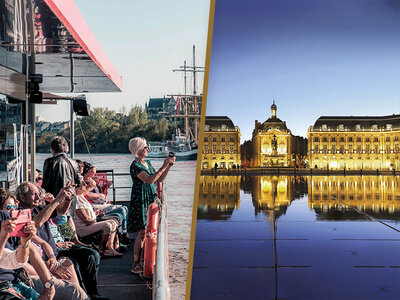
69 265
116 242
137 250
110 241
103 242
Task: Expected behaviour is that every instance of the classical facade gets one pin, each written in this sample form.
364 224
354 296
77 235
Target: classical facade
355 143
377 196
158 108
219 196
273 143
221 143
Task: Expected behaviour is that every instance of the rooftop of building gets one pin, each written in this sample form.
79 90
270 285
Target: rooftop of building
365 122
215 122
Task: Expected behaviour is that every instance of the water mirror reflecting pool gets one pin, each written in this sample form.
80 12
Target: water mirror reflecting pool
284 237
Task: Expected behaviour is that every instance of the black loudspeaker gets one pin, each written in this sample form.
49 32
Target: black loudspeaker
35 97
81 107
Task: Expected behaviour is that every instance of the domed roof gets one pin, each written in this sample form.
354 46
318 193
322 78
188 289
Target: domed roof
273 106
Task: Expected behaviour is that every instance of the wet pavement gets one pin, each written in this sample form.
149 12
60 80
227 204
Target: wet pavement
285 238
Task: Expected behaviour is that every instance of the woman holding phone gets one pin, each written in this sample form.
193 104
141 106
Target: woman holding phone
144 192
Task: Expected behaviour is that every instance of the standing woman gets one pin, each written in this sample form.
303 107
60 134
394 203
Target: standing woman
144 192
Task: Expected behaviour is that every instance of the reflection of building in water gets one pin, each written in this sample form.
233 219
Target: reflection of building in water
274 192
219 196
274 144
355 142
221 143
377 196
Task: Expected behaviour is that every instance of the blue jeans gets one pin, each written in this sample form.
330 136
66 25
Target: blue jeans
121 212
28 292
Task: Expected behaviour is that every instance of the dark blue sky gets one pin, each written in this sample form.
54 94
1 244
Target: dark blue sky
314 57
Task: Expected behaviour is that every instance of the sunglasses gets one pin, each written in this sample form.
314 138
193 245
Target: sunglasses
147 148
9 206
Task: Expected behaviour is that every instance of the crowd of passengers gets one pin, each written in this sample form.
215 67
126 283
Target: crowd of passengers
73 225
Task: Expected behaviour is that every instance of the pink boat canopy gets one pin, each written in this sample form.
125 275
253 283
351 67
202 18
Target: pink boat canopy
65 52
69 15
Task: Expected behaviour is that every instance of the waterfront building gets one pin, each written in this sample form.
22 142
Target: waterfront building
274 145
219 196
56 127
273 193
158 108
337 197
221 146
167 107
341 142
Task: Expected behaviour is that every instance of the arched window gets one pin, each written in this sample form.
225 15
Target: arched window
316 139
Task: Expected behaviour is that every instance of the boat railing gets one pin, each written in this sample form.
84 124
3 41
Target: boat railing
161 289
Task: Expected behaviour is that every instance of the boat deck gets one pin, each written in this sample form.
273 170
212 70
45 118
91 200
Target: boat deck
117 282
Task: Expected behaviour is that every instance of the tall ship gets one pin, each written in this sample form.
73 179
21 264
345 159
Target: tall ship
184 143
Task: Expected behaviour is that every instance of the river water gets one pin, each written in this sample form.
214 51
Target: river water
284 237
180 188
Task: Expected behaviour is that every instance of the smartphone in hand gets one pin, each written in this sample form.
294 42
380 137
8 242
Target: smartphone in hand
22 217
171 154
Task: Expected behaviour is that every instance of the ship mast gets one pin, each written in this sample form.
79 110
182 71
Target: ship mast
194 93
185 106
195 109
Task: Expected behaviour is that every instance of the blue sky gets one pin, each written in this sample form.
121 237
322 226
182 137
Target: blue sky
314 58
144 40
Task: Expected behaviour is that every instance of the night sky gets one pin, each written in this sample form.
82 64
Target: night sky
313 57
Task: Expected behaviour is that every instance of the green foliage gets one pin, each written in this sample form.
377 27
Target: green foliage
109 132
43 142
66 231
246 153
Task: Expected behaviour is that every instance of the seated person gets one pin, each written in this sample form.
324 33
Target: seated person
86 224
81 255
102 185
64 269
120 211
89 172
29 287
28 195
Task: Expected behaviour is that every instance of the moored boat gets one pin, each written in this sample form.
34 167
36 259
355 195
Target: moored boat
157 150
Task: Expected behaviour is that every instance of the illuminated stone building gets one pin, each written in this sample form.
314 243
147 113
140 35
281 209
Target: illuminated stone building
378 196
274 144
221 143
355 143
219 196
274 192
